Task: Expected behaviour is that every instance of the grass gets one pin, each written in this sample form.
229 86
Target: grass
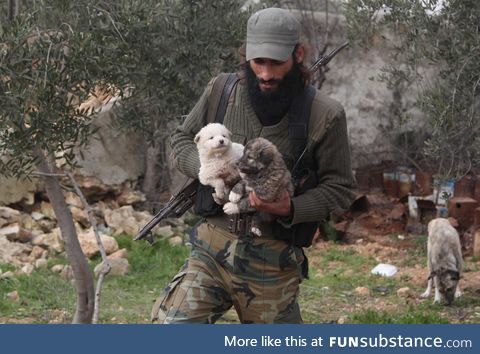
44 296
329 296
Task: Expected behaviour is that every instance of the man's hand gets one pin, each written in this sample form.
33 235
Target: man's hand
280 207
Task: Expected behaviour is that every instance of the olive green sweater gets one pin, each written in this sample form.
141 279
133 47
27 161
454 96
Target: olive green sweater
328 149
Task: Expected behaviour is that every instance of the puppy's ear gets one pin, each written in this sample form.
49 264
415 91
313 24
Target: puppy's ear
197 138
267 154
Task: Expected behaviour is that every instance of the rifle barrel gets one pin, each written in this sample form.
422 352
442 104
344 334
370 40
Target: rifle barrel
325 59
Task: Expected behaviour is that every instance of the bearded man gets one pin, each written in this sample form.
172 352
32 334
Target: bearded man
260 276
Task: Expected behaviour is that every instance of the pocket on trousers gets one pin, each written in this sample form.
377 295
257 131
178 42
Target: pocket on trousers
162 307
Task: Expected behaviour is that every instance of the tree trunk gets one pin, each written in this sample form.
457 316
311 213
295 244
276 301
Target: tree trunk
83 276
156 175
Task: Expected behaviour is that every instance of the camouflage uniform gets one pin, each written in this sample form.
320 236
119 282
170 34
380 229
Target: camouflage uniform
259 276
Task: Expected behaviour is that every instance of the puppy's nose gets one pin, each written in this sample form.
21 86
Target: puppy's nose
221 141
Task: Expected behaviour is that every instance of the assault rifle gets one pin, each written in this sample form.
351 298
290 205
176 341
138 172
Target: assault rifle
184 199
178 204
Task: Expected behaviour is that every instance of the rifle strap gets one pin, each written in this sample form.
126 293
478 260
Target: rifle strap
298 119
221 91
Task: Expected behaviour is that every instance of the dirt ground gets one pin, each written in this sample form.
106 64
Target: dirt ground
379 233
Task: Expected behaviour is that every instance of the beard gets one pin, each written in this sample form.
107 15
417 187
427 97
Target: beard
271 106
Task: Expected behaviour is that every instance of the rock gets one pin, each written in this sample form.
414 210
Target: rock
176 222
122 253
7 275
41 263
128 197
80 215
362 291
13 190
341 320
163 231
37 216
67 272
27 222
13 296
47 210
37 252
93 187
73 199
27 269
46 225
15 233
176 240
10 231
10 252
88 242
52 241
8 216
57 268
119 267
405 292
122 220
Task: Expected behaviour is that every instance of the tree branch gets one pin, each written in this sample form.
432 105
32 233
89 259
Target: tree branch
106 265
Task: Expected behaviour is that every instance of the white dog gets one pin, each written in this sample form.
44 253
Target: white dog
218 158
444 261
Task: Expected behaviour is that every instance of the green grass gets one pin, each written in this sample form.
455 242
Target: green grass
329 295
128 299
410 315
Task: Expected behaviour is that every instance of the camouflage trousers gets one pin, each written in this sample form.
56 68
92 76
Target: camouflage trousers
260 277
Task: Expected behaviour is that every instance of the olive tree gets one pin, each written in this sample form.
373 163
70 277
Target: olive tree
440 34
170 50
54 54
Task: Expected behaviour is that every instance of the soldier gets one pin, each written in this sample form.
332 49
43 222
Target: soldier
260 276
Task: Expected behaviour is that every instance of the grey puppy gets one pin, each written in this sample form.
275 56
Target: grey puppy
263 170
444 261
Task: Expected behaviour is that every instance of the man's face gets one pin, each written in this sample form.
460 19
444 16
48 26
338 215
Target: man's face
270 72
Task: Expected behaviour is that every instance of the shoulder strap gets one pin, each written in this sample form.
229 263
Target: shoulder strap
221 91
299 117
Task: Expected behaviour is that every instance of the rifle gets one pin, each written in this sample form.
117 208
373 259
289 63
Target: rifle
178 204
184 199
325 59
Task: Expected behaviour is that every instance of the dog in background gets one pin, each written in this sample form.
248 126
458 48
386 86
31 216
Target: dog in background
444 261
262 170
218 160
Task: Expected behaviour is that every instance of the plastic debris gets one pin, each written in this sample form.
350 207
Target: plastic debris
383 269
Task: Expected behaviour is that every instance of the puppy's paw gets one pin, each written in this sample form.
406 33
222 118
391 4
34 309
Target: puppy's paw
458 293
437 300
231 208
234 197
256 231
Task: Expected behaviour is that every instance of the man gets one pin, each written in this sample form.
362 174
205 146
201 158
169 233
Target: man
260 276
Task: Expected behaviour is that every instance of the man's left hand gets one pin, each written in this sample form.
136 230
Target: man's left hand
280 207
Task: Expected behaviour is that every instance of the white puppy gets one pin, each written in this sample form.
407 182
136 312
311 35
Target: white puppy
218 158
444 261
